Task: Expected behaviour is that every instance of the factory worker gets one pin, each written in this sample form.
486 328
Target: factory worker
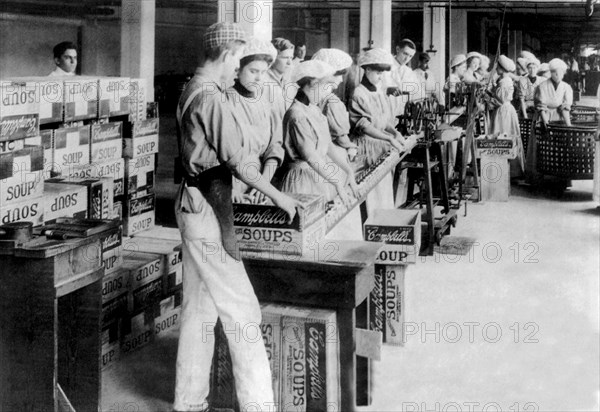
544 71
473 62
401 79
521 68
263 138
427 80
331 105
313 165
554 97
65 58
504 118
277 90
483 70
373 122
215 283
526 88
458 67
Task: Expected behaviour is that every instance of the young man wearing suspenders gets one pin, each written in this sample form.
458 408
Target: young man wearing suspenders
215 282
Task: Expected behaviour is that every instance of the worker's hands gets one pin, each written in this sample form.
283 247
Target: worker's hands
288 204
410 142
256 196
396 144
351 181
352 152
237 196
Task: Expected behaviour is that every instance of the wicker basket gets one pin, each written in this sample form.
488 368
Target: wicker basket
525 128
584 114
565 151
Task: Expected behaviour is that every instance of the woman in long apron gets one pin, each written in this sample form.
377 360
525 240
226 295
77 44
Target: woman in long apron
553 99
526 89
313 165
372 123
262 128
505 119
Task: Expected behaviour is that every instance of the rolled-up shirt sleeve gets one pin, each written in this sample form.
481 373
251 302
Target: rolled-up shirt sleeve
274 149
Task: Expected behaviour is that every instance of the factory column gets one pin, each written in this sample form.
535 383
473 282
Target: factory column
339 32
255 16
137 41
376 24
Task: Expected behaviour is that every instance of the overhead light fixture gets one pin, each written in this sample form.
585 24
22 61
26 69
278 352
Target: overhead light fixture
431 46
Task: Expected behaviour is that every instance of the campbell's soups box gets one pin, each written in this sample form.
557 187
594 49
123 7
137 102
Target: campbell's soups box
138 214
30 210
169 316
45 140
386 303
137 331
49 92
21 175
310 377
64 200
168 249
112 250
400 232
139 176
270 327
106 142
71 147
81 98
270 216
146 278
115 284
114 169
140 138
11 145
100 194
111 345
137 100
113 96
19 110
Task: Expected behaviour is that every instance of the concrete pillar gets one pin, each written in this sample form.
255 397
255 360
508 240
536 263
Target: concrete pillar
519 41
458 32
377 25
137 41
437 38
255 16
513 53
339 32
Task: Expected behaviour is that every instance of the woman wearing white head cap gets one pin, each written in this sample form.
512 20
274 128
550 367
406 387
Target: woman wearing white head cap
473 62
458 67
554 97
307 142
526 88
372 120
483 70
333 108
263 136
504 118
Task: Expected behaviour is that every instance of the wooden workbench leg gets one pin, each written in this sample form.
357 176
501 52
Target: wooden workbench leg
347 359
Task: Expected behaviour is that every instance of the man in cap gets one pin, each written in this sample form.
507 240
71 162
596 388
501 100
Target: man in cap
215 282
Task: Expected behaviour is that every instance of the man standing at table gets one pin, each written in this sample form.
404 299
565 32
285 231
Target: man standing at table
215 283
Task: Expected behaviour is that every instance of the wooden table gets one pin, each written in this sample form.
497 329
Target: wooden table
339 275
50 306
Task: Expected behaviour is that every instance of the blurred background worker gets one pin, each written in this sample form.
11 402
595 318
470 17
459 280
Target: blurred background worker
65 58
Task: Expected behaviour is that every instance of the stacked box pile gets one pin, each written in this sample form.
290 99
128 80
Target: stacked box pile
303 350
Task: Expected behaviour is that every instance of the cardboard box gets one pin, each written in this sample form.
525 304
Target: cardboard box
21 175
272 338
7 146
169 316
19 110
138 331
386 303
45 140
63 200
282 241
112 250
100 194
139 176
161 232
310 360
115 169
111 347
141 138
147 287
171 255
271 216
30 210
71 147
116 284
49 93
113 96
138 214
106 142
399 230
81 98
137 100
114 309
